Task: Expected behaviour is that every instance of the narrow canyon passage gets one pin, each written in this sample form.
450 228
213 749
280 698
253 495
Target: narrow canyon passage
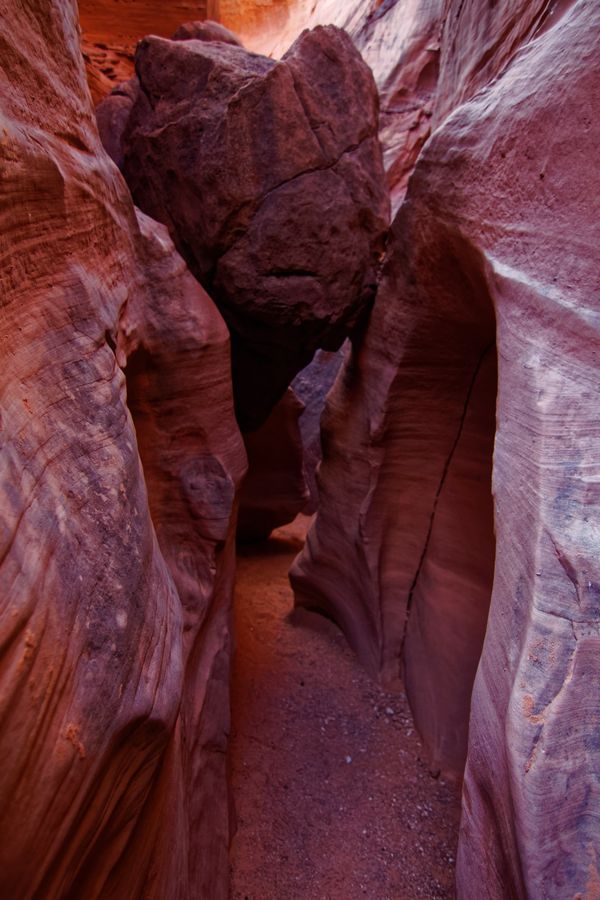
332 799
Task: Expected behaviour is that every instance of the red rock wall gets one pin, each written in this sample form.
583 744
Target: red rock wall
407 433
124 22
500 218
112 28
274 490
113 672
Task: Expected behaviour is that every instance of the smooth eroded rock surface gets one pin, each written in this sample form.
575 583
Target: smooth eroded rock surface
494 241
269 178
407 439
114 663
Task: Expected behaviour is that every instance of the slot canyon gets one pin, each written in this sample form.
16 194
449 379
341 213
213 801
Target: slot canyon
300 460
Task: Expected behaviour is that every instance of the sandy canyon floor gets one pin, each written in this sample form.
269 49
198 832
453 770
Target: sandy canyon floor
333 800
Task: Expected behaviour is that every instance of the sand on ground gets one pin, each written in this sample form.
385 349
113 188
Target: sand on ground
332 797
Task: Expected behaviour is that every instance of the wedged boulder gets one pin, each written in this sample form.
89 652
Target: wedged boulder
495 239
274 490
114 108
113 671
206 30
269 177
400 42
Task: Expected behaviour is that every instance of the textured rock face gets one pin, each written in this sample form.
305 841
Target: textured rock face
274 490
400 41
123 24
112 115
420 76
311 387
206 30
407 438
111 30
269 178
500 217
114 644
175 349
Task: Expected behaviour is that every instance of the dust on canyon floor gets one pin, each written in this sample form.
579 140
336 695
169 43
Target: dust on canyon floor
333 801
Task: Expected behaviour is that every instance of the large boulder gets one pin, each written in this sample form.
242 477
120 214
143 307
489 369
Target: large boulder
495 239
269 177
115 571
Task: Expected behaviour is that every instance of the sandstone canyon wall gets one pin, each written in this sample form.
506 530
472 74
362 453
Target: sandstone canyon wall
490 255
115 577
312 385
456 541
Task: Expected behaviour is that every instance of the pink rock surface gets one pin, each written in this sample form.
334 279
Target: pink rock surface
269 177
495 236
114 664
406 432
274 490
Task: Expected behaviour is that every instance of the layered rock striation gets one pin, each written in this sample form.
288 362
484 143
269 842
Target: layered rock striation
115 571
489 266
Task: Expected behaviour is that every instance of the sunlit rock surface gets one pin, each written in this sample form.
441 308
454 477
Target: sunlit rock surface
114 665
205 30
269 177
